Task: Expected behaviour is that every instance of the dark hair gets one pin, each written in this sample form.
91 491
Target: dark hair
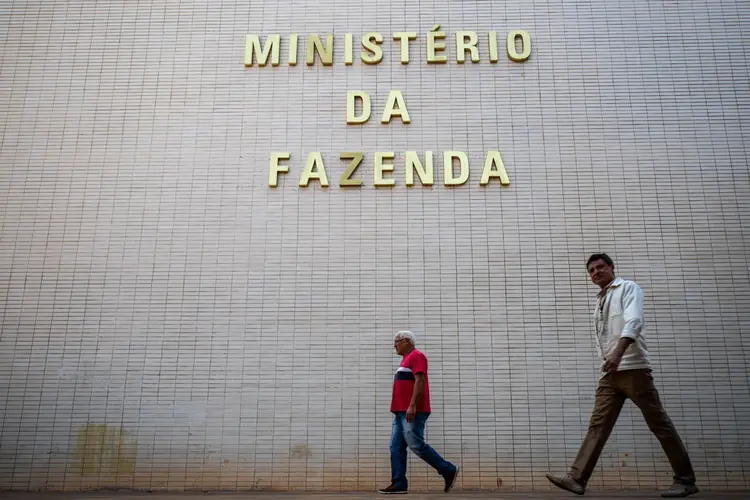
600 256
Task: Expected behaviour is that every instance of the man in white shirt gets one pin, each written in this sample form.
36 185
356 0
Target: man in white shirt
625 374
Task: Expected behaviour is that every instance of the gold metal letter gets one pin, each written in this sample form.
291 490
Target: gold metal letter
462 46
274 168
494 160
293 49
403 38
351 106
395 97
348 50
433 46
370 41
463 162
492 36
314 169
252 48
346 177
525 43
413 163
314 45
380 167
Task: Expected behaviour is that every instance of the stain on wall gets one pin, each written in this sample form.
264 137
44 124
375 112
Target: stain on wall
301 451
105 449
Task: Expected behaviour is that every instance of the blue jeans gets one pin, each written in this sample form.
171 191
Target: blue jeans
411 435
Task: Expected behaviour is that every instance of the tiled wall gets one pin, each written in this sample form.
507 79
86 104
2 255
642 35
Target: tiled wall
170 321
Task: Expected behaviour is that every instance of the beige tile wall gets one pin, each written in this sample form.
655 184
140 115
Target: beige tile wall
170 321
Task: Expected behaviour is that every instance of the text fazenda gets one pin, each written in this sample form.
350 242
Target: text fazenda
383 169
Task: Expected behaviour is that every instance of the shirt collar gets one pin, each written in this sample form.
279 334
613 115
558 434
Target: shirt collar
615 283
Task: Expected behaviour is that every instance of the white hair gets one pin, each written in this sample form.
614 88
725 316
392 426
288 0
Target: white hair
406 334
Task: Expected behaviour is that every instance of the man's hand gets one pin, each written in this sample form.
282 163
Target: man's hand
410 413
612 363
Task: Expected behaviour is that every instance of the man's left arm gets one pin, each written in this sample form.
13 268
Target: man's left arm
419 369
416 396
632 312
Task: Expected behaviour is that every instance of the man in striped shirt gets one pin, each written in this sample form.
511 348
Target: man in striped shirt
410 405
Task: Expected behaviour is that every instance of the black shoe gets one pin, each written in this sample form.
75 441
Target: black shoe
392 490
450 480
567 483
679 490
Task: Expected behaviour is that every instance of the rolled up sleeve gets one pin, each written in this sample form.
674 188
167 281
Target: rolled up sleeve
632 311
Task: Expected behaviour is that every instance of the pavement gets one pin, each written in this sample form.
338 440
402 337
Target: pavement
455 495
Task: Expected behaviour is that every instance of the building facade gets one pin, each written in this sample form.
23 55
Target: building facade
187 305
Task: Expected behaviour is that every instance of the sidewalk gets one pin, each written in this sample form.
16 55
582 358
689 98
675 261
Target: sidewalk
456 495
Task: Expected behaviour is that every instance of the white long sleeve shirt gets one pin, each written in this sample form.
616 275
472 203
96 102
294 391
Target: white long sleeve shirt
619 313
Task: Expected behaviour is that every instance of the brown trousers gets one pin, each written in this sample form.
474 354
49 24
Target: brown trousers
614 389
